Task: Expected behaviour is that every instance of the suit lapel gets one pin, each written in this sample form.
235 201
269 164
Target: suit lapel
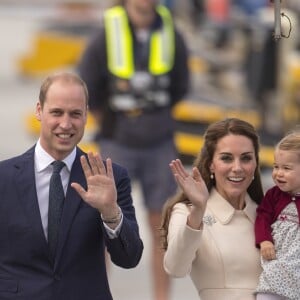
27 195
71 205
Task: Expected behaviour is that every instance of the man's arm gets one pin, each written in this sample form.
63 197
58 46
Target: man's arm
108 190
92 68
125 250
180 75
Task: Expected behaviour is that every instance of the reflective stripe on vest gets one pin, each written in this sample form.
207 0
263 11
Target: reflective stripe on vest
120 49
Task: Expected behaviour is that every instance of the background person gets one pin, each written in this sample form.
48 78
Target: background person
277 225
208 226
97 209
136 71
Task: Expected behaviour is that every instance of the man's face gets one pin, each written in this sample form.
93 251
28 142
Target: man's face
62 118
142 5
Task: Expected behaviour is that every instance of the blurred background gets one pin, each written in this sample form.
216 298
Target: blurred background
237 68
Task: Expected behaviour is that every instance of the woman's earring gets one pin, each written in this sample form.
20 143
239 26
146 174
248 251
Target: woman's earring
212 176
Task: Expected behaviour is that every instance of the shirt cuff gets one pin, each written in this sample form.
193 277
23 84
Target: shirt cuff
113 233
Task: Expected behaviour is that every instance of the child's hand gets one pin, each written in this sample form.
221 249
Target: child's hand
267 250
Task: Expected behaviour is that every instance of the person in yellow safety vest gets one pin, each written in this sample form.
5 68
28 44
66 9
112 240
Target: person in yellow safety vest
136 70
147 87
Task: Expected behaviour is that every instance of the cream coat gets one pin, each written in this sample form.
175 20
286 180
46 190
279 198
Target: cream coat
221 259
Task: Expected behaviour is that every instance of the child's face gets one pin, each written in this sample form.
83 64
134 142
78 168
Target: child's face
286 170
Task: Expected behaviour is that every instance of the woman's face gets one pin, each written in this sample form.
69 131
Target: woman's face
233 166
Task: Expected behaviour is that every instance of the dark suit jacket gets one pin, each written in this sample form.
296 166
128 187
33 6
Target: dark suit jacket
79 272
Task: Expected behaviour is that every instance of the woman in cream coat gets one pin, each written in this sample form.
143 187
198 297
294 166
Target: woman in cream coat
208 227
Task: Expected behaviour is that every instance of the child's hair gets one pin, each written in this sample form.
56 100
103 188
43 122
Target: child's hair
291 142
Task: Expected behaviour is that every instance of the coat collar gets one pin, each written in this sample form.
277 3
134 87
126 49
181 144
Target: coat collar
224 211
24 183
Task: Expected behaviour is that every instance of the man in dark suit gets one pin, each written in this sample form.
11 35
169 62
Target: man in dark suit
97 210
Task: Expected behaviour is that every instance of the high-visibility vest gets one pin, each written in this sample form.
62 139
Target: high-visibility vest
119 43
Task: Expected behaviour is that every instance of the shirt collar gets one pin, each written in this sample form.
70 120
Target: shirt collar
224 211
43 159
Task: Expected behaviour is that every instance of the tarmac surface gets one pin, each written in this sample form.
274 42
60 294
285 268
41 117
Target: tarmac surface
18 97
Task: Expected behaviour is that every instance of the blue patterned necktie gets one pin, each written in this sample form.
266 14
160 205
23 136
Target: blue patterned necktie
56 201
